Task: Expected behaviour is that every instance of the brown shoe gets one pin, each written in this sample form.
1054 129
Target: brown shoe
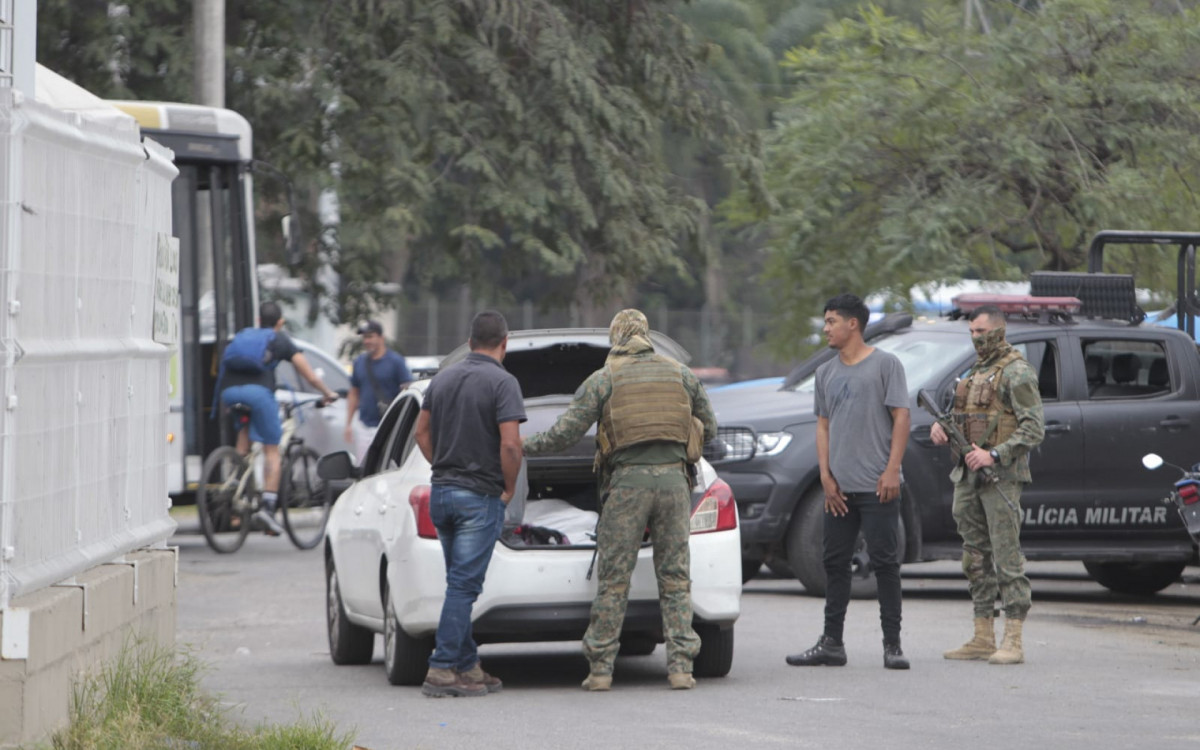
476 676
442 682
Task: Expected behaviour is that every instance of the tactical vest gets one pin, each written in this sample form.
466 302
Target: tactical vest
648 403
978 409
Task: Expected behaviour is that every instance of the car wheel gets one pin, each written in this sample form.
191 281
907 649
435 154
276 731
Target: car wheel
637 645
405 659
348 643
716 650
806 550
750 567
1139 579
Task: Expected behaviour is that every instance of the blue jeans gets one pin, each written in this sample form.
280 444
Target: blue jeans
468 525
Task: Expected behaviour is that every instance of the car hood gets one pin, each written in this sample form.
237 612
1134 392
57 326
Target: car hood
763 407
556 361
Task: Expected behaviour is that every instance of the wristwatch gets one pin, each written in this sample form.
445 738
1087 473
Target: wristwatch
995 454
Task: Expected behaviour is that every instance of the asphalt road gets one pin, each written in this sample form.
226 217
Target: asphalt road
1102 671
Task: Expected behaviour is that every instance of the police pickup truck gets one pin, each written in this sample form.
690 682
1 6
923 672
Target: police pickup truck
1113 389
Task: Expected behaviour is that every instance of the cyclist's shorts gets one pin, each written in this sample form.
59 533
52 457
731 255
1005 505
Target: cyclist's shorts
265 425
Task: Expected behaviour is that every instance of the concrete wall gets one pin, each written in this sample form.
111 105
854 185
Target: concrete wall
57 634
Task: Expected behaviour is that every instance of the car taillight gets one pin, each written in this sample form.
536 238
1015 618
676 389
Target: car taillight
419 500
1189 491
716 511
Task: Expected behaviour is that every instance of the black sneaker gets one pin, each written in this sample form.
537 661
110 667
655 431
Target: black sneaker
828 653
893 657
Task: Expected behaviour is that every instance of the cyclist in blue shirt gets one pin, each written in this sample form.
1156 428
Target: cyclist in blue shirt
378 375
256 389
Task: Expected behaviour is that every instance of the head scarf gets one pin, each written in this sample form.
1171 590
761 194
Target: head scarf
990 345
629 333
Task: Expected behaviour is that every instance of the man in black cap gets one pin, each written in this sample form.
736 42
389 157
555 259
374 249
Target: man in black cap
379 374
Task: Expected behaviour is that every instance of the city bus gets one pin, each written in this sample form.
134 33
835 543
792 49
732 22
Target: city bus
212 212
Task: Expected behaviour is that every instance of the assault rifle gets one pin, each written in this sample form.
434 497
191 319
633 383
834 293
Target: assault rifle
958 440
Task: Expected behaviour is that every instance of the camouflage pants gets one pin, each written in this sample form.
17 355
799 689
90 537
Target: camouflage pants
626 514
992 559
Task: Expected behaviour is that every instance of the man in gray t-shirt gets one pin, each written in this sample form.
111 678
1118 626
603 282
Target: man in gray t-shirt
468 430
862 430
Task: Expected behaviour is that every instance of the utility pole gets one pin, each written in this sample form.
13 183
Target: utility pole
208 65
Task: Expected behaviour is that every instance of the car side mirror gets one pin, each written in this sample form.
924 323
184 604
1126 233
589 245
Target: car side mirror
336 467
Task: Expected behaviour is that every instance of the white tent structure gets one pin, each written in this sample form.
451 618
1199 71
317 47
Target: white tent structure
56 91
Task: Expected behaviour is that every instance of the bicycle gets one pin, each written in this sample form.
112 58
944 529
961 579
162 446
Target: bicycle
228 496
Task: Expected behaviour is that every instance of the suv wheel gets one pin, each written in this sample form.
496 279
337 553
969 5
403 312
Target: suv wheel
1139 579
806 546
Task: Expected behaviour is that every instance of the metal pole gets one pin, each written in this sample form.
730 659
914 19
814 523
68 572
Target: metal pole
208 71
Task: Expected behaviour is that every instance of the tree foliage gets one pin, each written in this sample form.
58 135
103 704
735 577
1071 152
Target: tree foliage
910 154
514 144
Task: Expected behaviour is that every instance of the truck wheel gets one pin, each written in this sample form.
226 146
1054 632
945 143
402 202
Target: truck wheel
1139 579
806 549
716 650
750 567
636 644
779 566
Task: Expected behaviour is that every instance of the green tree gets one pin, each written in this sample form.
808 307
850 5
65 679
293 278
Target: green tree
509 140
911 154
487 141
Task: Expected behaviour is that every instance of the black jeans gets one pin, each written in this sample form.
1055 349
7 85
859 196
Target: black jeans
880 526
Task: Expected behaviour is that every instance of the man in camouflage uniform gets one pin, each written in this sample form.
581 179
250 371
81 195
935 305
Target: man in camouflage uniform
647 406
999 409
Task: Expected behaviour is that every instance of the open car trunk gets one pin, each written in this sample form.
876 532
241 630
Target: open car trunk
561 504
561 508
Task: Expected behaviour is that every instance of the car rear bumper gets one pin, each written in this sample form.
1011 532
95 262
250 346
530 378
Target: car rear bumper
545 594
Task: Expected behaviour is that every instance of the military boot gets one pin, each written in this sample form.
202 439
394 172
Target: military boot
982 646
1010 651
681 680
597 682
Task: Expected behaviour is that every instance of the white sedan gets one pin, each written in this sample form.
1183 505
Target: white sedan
384 567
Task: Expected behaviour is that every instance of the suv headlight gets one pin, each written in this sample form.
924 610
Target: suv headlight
743 443
771 443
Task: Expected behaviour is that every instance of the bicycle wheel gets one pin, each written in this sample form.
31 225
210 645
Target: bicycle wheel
224 511
303 497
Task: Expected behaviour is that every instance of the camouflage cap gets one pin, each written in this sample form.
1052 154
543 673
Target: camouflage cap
627 324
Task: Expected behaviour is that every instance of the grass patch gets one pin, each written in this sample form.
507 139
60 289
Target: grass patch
149 698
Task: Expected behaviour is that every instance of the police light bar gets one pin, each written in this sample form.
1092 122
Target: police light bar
1189 491
1019 304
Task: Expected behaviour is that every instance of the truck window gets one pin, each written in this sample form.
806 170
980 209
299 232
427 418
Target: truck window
1043 357
1125 368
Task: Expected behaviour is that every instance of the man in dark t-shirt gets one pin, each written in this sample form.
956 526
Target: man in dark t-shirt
468 431
257 390
377 376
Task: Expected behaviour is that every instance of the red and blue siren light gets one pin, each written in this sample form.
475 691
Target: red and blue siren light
1019 304
1189 491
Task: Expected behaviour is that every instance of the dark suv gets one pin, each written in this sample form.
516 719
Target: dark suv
1112 391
